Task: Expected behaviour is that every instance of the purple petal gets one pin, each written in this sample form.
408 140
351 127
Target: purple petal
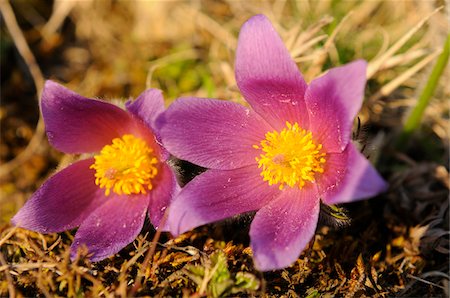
335 169
76 124
333 101
283 228
111 226
216 195
147 106
63 201
361 180
166 187
212 133
267 76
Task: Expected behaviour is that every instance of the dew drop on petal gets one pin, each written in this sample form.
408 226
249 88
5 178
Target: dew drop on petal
50 135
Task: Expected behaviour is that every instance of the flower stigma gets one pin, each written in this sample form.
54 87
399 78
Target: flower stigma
290 157
127 166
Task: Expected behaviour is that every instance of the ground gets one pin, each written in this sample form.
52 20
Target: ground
396 244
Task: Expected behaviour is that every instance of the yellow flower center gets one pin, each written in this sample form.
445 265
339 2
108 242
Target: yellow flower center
127 166
290 157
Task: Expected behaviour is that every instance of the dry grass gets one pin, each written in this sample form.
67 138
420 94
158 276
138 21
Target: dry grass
395 245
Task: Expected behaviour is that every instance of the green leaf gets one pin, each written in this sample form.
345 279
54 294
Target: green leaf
221 280
312 293
195 272
245 282
214 274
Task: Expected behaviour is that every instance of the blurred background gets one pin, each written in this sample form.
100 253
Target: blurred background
116 49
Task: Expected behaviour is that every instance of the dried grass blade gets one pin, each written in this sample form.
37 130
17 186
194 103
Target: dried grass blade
413 120
9 279
392 85
38 78
374 66
317 63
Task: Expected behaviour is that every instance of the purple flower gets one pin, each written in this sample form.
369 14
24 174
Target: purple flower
283 155
106 195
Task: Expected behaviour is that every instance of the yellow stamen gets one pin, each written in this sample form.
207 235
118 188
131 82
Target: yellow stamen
290 157
127 166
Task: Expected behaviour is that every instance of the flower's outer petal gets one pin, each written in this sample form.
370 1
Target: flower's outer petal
333 101
165 189
148 106
216 195
111 226
212 133
361 180
76 124
268 77
283 228
335 169
63 201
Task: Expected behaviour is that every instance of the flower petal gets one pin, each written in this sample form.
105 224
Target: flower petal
335 169
166 187
111 226
76 124
283 228
212 133
267 76
216 195
333 101
360 181
63 201
147 106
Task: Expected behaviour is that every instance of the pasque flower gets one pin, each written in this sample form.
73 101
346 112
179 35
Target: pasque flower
282 155
109 194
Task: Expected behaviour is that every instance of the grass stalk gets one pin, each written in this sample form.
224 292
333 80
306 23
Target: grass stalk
414 118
